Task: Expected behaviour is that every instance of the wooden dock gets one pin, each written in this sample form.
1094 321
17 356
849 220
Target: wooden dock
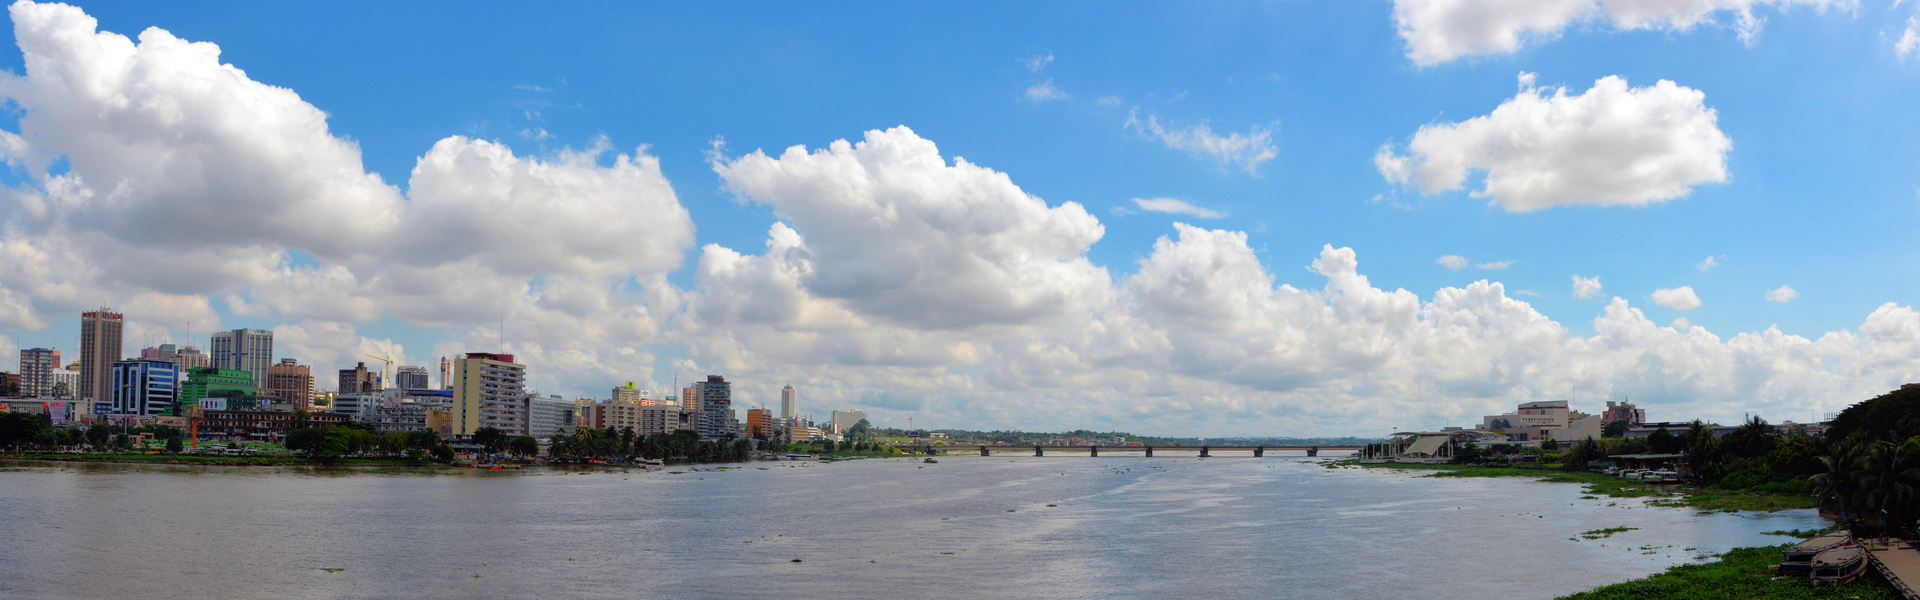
1899 564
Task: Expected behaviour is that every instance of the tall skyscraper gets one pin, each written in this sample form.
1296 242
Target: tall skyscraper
716 401
359 380
249 350
789 402
290 382
411 378
99 349
489 390
36 372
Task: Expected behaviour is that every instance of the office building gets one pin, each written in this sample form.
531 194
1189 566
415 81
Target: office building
667 417
145 387
66 383
189 358
36 372
219 389
489 391
549 416
290 383
163 352
412 378
249 350
789 402
258 425
843 419
1623 411
359 380
759 423
99 349
615 414
716 402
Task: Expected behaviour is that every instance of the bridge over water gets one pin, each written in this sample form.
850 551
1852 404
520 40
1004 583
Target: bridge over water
1148 451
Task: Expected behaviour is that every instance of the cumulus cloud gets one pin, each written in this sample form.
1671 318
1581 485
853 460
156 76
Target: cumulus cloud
1044 91
1177 207
1493 266
1612 145
1586 287
1242 150
1908 45
1680 298
1782 294
1707 264
240 190
1453 261
1438 31
1037 62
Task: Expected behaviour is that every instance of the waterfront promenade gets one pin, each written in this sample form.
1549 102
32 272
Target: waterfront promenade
1899 563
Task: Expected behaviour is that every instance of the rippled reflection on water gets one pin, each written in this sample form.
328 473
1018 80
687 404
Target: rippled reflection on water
967 527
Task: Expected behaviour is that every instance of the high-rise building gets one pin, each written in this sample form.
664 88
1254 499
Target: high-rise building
489 391
549 416
249 350
446 373
630 394
69 377
191 358
36 372
716 401
145 387
99 349
412 378
359 380
843 419
690 397
290 382
1623 411
789 402
759 424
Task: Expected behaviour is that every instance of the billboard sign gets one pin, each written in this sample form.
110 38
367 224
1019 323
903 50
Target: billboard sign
56 410
213 403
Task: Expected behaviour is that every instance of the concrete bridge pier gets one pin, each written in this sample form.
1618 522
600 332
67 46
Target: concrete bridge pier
1203 452
1259 451
983 450
1314 451
1038 451
1149 451
1094 451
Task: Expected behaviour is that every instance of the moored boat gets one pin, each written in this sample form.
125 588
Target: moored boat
1839 566
1800 556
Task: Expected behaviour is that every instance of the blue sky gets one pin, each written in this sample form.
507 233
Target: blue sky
1812 186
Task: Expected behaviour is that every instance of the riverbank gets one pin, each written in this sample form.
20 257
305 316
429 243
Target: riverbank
192 459
1602 485
1739 573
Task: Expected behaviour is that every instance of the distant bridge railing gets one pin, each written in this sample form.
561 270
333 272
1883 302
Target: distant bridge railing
1206 451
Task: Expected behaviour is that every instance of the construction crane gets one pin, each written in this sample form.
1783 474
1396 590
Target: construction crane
383 370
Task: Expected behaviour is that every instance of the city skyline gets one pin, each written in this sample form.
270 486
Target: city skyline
1303 218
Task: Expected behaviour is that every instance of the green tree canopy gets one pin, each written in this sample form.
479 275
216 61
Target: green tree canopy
1877 418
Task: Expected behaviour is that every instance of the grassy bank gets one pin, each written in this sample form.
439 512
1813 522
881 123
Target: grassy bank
191 459
1598 484
1740 573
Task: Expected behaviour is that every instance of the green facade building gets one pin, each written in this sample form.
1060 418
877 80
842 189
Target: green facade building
236 387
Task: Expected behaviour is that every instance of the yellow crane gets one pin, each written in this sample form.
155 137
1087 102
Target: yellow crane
383 370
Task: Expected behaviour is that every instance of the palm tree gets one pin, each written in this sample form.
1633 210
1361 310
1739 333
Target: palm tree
1837 486
1890 483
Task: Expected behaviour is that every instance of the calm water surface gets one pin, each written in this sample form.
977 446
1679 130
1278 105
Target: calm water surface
967 527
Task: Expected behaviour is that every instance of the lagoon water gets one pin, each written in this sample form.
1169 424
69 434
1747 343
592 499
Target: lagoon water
967 527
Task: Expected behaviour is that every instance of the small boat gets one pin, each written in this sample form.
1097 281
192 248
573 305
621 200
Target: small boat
1839 566
1800 556
800 457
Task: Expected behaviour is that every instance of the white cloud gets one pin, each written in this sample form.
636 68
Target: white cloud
1109 101
1453 261
1493 266
1044 91
1243 150
1437 31
1680 298
1612 145
1909 44
1038 62
1782 294
1707 264
1177 207
1586 287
